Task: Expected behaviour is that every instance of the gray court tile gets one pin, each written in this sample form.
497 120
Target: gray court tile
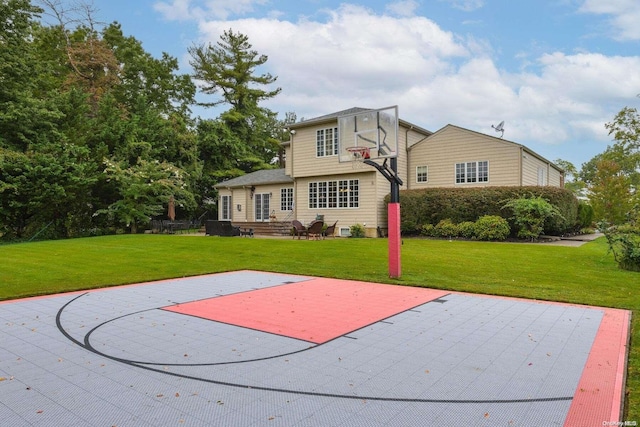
114 357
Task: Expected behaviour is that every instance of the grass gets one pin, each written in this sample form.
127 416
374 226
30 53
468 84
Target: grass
583 275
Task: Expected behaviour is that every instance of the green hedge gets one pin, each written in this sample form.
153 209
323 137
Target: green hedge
432 205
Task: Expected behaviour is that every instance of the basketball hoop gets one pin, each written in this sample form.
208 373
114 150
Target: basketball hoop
359 155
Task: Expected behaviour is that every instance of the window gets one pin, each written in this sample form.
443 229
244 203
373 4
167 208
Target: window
421 174
286 199
327 142
542 176
471 172
334 194
225 215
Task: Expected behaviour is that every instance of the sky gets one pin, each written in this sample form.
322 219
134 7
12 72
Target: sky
555 71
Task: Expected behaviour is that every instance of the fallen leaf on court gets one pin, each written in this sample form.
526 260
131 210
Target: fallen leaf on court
426 371
486 415
2 379
177 394
159 395
530 363
39 411
271 418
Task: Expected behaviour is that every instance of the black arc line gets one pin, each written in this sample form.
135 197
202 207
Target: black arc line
142 365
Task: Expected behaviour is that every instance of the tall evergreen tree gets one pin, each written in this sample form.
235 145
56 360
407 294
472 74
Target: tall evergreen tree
229 68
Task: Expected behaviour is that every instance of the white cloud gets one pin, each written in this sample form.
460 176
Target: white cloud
625 15
403 8
352 56
182 10
466 5
178 10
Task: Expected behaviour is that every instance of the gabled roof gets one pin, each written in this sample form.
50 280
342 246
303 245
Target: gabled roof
354 110
484 135
329 117
261 177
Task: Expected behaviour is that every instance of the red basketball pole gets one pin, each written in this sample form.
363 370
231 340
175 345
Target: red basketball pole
393 214
393 224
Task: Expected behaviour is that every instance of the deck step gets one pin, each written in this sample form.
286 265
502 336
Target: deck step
274 228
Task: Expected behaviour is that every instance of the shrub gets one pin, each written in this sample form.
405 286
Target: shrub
432 205
356 231
467 229
585 215
624 242
446 228
530 215
428 230
492 227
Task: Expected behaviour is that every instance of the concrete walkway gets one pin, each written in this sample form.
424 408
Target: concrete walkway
574 241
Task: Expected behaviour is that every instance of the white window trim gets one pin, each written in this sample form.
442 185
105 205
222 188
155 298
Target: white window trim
343 197
418 174
226 213
334 131
477 171
286 199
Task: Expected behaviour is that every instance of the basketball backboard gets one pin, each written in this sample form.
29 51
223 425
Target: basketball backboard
376 130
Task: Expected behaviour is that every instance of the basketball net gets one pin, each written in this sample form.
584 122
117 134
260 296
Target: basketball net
358 155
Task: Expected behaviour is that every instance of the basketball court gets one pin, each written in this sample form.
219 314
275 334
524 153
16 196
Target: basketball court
249 348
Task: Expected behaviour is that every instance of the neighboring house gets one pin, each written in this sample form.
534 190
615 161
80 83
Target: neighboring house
314 182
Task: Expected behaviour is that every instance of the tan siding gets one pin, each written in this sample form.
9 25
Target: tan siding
441 152
555 177
530 166
364 214
288 159
238 197
306 163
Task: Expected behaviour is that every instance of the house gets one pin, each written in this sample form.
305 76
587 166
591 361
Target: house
314 182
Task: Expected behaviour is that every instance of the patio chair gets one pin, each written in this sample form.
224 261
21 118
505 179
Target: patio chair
299 229
330 231
315 229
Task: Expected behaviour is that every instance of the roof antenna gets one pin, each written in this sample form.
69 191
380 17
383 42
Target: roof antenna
499 128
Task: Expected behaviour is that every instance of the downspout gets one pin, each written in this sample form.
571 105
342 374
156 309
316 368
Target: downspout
406 148
295 181
520 165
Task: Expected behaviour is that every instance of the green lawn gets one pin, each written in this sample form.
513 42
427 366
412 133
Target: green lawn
584 275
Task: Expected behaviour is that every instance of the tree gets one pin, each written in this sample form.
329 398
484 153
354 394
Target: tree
144 191
229 67
613 177
26 117
610 193
571 177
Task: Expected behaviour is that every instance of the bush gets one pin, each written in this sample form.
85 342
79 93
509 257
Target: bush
356 231
585 215
428 230
624 242
530 215
467 229
432 205
492 227
446 228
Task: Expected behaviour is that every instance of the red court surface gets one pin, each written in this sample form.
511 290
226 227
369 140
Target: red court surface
317 310
600 391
